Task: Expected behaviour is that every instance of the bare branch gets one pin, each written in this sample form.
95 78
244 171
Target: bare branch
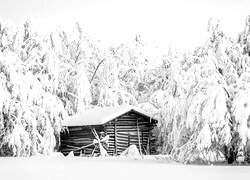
96 70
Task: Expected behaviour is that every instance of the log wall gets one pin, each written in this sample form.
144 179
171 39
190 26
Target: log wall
77 137
123 131
129 129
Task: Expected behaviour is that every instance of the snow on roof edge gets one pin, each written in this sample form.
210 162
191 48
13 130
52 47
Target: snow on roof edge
75 120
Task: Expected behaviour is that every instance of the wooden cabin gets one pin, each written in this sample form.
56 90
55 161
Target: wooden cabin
117 128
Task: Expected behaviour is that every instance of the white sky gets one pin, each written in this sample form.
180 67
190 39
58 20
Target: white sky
181 23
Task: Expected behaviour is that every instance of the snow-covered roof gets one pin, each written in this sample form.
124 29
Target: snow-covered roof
101 115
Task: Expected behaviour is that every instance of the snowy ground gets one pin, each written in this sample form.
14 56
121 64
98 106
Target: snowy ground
63 168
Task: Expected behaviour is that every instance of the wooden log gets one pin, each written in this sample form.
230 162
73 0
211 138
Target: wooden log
122 147
122 137
119 141
76 139
124 123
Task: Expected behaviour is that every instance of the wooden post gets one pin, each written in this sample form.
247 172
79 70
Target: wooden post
149 140
142 140
138 134
128 139
115 133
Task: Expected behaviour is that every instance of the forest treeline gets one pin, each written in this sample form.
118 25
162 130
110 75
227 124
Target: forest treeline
202 98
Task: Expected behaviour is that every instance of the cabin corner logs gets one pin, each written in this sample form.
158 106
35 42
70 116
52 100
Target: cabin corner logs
123 131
